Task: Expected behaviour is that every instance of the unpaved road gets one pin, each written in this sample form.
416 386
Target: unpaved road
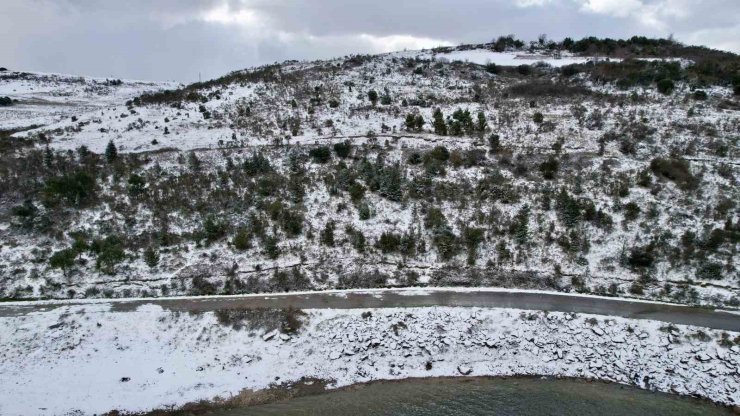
394 298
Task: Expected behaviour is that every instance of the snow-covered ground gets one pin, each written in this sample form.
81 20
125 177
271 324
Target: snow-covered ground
483 57
42 98
93 359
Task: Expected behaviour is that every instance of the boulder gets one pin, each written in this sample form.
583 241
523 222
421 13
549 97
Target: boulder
270 335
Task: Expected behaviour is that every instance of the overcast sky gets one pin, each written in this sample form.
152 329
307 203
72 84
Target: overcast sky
177 39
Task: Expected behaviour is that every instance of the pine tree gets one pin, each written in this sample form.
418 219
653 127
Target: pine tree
410 122
151 257
111 153
63 259
440 127
520 227
419 122
482 124
327 234
494 143
48 158
373 96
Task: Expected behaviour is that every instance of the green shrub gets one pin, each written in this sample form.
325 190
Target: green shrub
63 259
700 95
447 243
434 219
665 86
242 239
439 153
327 234
676 170
388 242
549 168
320 154
641 257
76 188
343 149
631 211
257 164
151 257
109 253
372 95
709 271
214 230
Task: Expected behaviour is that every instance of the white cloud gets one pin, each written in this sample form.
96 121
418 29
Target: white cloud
532 3
616 8
168 39
401 42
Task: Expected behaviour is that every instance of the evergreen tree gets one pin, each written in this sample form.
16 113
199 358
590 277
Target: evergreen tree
372 95
327 234
151 257
494 143
482 124
419 122
242 239
63 259
410 122
520 227
48 157
111 152
440 127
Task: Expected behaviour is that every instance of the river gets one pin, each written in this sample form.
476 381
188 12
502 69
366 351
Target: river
486 396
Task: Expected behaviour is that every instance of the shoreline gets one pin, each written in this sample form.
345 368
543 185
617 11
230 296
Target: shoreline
314 387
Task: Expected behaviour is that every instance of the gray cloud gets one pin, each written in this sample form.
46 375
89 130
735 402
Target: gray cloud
177 39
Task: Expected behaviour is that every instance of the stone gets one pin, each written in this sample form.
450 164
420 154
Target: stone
464 369
270 335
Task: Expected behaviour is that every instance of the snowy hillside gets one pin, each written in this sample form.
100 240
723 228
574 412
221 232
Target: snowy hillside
43 99
537 167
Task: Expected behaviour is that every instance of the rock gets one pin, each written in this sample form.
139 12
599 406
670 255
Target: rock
334 355
284 337
703 357
464 370
125 379
491 344
598 331
619 339
643 335
270 335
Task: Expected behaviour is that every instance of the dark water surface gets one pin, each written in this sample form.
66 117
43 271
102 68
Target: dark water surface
480 396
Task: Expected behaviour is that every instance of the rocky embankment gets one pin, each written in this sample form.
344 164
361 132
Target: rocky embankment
93 359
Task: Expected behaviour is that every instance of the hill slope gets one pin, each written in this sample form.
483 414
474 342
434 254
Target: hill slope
589 173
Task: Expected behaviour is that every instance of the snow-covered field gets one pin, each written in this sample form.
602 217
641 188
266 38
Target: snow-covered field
483 57
92 359
43 99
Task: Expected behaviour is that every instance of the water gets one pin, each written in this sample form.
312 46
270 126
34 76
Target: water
500 397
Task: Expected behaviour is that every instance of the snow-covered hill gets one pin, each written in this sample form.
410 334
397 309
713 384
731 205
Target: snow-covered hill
543 169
